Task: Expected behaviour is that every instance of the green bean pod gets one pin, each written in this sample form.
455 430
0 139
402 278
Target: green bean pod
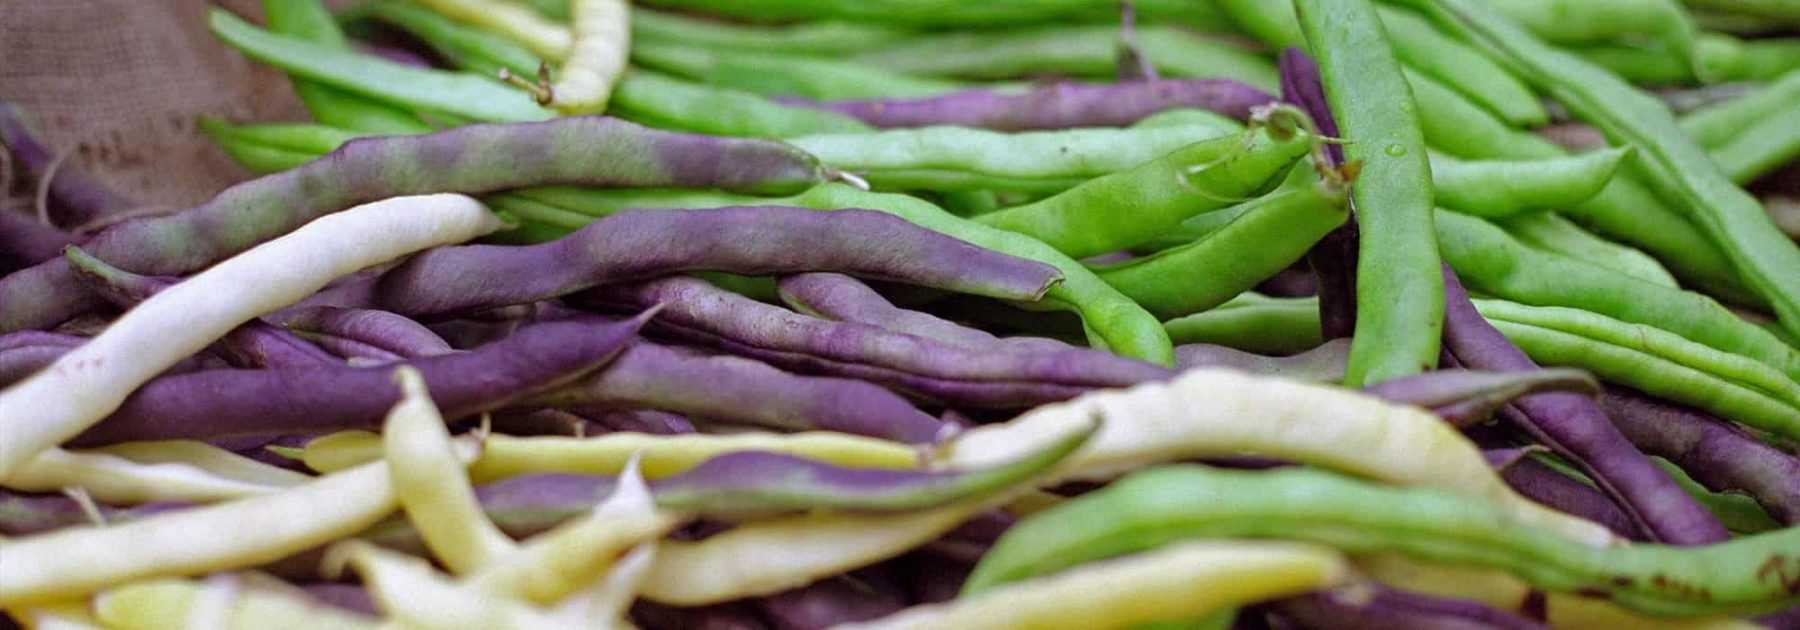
1647 359
1625 209
641 95
1255 323
1673 164
1275 231
1399 287
825 37
424 89
1127 208
1489 260
960 159
1497 188
1422 48
1761 148
1550 232
264 149
1716 125
938 13
1085 51
1738 512
779 74
310 20
1146 510
1588 21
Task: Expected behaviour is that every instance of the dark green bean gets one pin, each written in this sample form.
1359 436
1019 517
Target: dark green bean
1499 188
1085 51
819 37
1399 288
1254 323
1550 232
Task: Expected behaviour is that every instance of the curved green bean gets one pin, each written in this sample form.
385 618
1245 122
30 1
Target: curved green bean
662 101
1738 512
1761 148
1674 165
827 37
923 13
1499 188
1643 358
310 20
1422 48
1745 576
1399 287
453 93
1589 21
1625 209
465 47
1127 208
1550 232
957 158
1489 260
1254 323
1718 57
1081 50
1270 235
1714 126
779 74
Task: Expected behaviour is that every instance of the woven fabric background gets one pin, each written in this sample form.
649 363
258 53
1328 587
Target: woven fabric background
120 82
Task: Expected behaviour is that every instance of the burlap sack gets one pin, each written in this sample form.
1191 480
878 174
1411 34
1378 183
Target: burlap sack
120 82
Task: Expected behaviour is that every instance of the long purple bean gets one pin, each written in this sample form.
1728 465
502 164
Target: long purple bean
25 352
635 245
254 344
842 298
1378 608
221 403
1575 427
25 242
919 365
75 197
24 514
1543 484
1464 397
1715 453
1324 363
585 150
1057 106
1333 258
735 389
391 332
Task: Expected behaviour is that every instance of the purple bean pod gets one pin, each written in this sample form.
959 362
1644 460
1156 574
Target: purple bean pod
25 242
1054 106
735 389
26 352
1575 427
473 159
1464 397
1333 258
750 240
390 332
733 616
220 403
1716 453
916 364
347 597
1543 484
1375 607
75 197
842 298
23 514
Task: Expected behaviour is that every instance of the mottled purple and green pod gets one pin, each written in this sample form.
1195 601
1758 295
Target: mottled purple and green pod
636 245
588 151
916 365
1464 397
738 390
1715 453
